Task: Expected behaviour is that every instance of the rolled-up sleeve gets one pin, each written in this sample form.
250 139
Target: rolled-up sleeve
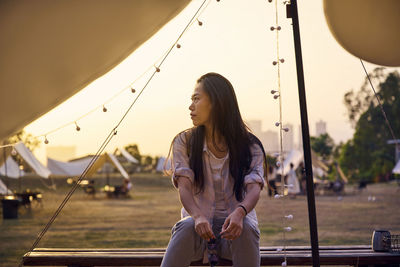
180 160
256 174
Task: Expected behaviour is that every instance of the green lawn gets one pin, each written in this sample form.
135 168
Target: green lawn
145 219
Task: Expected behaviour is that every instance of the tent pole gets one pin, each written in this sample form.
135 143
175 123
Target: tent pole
291 10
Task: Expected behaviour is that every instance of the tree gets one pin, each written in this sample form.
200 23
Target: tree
368 156
28 139
323 145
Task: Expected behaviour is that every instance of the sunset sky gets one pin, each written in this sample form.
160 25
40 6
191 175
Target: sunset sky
235 41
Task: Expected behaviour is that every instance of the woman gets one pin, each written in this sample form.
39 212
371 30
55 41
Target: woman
218 170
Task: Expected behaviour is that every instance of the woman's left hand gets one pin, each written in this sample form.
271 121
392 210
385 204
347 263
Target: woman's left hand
233 225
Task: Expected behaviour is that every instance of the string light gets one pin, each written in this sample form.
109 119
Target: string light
286 129
133 90
276 96
46 141
277 124
104 109
289 217
77 127
199 22
178 46
273 91
157 69
277 28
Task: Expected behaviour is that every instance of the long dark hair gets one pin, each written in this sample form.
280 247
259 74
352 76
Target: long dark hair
227 121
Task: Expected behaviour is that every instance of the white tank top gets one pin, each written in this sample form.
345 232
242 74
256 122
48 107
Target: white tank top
220 203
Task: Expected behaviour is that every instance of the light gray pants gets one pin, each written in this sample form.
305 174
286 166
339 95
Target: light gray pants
186 245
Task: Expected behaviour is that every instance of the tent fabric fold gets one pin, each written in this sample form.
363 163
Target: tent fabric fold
77 167
128 156
11 169
32 161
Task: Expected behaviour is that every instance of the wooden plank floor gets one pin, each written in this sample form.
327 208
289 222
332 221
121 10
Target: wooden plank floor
295 255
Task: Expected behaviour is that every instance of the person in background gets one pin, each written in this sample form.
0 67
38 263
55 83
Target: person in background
293 182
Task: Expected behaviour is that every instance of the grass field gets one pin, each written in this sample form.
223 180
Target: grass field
145 219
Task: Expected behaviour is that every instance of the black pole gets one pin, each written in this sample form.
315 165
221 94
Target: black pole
312 217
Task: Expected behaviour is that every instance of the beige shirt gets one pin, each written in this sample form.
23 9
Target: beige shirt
206 199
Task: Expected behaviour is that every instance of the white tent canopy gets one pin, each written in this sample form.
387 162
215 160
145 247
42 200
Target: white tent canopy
76 168
128 156
396 168
32 161
50 50
11 169
3 189
160 164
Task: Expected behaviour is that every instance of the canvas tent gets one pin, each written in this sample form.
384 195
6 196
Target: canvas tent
76 168
67 44
160 164
3 189
31 160
128 156
11 169
396 168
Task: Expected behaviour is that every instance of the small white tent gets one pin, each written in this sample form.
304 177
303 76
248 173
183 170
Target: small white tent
76 168
160 164
32 161
128 156
3 189
396 168
10 169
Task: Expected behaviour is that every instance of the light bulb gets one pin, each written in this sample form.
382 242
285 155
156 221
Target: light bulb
279 28
104 109
77 127
286 129
289 217
281 60
178 46
45 140
199 22
133 90
13 152
158 69
272 28
276 96
274 63
273 91
277 124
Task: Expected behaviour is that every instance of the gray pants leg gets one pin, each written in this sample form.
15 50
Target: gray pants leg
245 250
185 245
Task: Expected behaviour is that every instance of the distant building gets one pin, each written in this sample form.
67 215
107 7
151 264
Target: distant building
270 141
62 153
320 128
255 127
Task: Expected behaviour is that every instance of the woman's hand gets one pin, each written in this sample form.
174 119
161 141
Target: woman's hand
203 228
233 224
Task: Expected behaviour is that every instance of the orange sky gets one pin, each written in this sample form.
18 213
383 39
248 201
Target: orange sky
235 41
